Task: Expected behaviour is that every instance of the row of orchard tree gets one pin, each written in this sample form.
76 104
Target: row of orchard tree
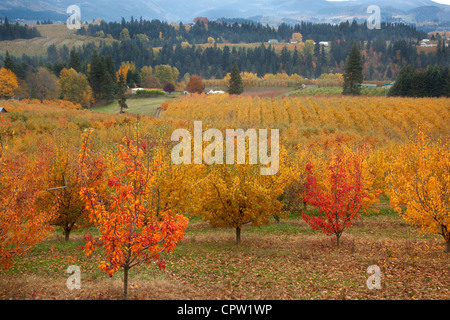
130 190
102 83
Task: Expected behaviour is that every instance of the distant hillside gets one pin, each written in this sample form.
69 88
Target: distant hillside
26 15
56 34
430 14
265 11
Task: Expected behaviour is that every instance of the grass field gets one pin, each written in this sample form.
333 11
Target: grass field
142 106
278 261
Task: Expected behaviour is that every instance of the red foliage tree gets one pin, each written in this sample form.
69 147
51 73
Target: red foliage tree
131 233
169 87
341 195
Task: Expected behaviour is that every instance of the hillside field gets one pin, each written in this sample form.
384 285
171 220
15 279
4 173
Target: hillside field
57 34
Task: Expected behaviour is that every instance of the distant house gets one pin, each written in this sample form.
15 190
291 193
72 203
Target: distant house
273 41
3 110
388 85
423 44
323 43
134 90
215 91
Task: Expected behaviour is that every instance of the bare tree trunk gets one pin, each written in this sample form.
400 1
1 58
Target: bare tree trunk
277 218
66 234
447 246
238 235
125 282
338 237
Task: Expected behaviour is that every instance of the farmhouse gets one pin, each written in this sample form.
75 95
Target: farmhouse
388 85
215 91
426 43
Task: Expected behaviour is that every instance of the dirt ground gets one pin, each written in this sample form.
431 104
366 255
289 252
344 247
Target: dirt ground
286 261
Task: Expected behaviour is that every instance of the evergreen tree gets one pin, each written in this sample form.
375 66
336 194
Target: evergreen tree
403 84
446 89
108 86
434 82
52 53
74 61
96 75
9 63
102 77
122 89
235 85
353 75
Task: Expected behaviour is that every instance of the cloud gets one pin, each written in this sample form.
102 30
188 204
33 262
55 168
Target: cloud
447 2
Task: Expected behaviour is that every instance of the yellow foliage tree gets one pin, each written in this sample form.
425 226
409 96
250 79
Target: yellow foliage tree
296 37
309 47
8 83
419 179
170 188
75 87
235 195
63 185
124 68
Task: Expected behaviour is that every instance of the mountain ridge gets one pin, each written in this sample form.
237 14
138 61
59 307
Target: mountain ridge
411 11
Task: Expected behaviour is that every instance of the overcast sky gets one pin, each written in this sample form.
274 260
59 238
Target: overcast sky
438 1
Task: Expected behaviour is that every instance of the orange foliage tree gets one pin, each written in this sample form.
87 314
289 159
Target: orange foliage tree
195 84
130 231
22 224
8 83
